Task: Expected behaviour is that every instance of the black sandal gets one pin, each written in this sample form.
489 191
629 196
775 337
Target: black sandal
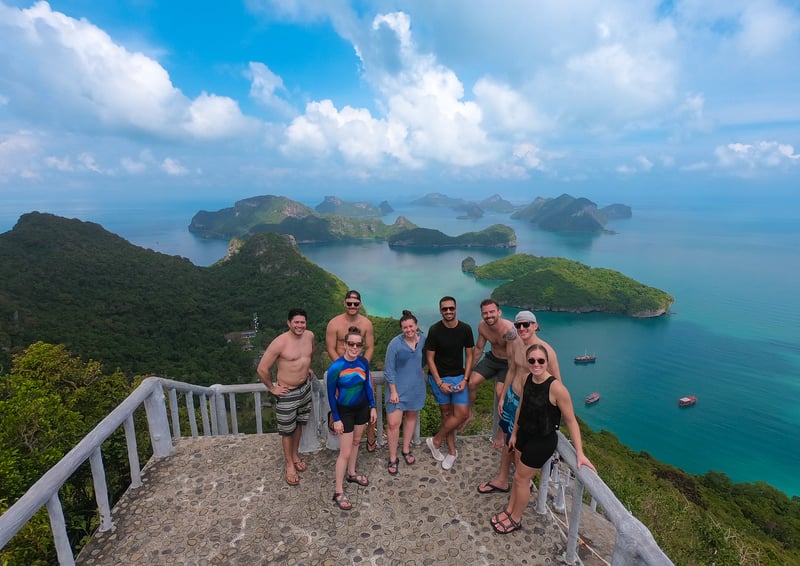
409 457
393 464
506 525
360 479
342 501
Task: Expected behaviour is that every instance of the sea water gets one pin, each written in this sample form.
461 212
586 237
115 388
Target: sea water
731 340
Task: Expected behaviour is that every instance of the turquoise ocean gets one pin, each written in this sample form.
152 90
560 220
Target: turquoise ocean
732 340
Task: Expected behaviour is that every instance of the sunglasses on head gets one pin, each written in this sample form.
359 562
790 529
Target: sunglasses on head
354 344
522 324
540 361
446 309
352 303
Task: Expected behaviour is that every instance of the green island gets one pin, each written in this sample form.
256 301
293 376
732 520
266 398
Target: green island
73 345
558 284
495 236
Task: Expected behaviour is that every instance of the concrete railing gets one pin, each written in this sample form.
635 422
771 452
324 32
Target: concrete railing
634 543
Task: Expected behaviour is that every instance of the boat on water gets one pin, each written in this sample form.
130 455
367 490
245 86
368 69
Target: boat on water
687 401
585 359
593 398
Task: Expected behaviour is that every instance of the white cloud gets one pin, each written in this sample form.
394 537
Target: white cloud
749 158
16 154
67 72
173 167
63 164
265 87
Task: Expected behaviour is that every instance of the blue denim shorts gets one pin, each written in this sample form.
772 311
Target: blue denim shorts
442 398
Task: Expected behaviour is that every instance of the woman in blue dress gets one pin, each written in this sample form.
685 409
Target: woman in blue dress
405 387
352 406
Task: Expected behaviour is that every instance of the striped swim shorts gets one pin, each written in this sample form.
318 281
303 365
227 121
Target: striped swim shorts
293 408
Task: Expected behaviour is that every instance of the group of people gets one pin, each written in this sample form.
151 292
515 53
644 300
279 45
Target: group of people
531 397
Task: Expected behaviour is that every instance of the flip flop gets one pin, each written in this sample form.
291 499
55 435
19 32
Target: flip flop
300 466
360 479
292 479
492 488
372 446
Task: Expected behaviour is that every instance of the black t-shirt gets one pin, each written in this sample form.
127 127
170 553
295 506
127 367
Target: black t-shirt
448 345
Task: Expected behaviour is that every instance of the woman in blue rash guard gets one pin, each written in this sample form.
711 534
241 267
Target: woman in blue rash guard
352 407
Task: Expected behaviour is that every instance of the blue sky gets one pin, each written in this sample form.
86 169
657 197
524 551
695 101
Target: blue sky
387 99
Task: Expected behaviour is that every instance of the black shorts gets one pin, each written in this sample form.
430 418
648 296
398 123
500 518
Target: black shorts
352 416
492 367
535 450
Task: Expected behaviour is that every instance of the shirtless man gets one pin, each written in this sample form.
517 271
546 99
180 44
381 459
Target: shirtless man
292 352
335 333
500 334
526 326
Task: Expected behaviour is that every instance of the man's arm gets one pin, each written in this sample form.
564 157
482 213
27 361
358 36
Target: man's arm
330 340
270 356
429 355
369 341
474 354
552 363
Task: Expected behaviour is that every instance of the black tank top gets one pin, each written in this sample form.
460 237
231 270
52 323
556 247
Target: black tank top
537 416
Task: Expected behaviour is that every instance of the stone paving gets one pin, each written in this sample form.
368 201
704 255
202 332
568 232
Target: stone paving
223 500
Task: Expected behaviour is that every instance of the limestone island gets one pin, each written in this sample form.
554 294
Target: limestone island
558 284
335 205
495 236
569 214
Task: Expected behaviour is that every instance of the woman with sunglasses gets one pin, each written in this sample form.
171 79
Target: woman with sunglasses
352 406
534 438
405 388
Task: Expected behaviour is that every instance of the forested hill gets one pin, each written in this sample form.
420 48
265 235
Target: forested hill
74 283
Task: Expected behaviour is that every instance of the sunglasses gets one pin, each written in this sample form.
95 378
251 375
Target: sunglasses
352 303
354 344
522 324
447 309
540 361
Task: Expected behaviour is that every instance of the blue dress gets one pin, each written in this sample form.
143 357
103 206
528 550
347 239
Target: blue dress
403 368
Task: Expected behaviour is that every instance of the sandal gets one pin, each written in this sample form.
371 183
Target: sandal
300 466
409 457
499 517
392 469
372 446
342 501
507 525
291 479
360 479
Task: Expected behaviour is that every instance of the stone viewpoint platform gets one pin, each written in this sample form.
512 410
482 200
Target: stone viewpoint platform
223 500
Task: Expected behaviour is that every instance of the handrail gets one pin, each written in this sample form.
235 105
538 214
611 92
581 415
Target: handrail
634 543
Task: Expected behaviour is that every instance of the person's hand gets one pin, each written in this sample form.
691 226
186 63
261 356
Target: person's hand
584 461
373 416
500 407
394 398
278 390
512 443
338 427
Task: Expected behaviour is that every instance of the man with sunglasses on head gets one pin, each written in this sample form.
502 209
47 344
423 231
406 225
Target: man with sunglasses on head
508 400
336 332
500 334
448 350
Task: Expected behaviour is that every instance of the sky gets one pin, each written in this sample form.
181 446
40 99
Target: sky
387 99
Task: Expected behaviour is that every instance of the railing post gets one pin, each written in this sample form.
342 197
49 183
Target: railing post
309 439
157 422
133 452
574 523
173 411
59 528
544 482
257 401
101 490
234 416
192 416
219 415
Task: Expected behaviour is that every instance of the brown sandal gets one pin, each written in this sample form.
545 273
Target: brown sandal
342 501
291 479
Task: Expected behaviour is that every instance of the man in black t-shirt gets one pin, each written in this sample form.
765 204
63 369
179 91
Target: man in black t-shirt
449 350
